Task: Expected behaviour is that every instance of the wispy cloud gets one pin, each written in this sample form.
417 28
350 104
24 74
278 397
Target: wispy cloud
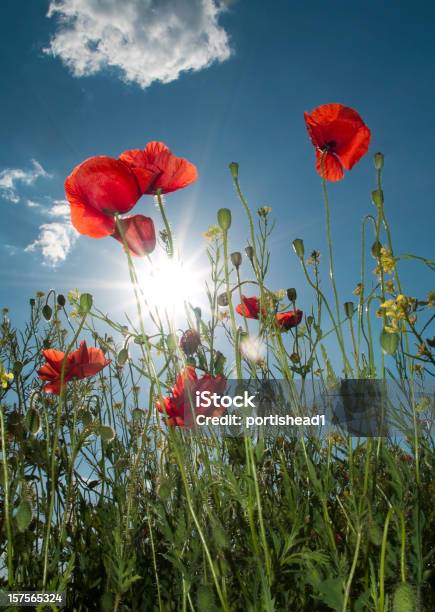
11 178
55 239
146 40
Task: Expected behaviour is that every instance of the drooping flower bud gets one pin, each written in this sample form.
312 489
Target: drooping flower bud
291 294
190 341
61 301
236 259
47 312
376 249
234 168
298 246
379 161
224 219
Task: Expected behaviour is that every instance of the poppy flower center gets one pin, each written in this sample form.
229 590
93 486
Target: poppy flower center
330 145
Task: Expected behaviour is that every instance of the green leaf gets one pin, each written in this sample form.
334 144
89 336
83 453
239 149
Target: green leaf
85 303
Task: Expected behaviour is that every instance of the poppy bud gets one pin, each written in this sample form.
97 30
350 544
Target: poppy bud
85 303
32 302
224 219
389 342
298 246
190 341
219 363
376 249
349 309
291 294
379 161
222 299
249 253
310 320
61 300
122 357
234 168
378 197
236 259
47 312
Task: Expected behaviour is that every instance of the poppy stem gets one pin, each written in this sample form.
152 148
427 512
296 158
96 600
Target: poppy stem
347 367
170 241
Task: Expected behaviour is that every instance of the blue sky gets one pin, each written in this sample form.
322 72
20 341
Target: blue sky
272 62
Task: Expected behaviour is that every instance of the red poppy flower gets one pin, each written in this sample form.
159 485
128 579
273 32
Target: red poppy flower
178 407
249 308
287 320
168 172
98 188
81 363
139 234
340 136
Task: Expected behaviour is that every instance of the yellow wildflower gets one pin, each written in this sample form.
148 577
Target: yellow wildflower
387 260
5 377
264 211
389 286
213 233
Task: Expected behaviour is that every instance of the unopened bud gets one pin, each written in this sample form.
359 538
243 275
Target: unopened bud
249 253
298 246
222 299
47 312
379 161
376 249
61 300
236 259
349 309
224 219
32 302
291 294
234 168
190 341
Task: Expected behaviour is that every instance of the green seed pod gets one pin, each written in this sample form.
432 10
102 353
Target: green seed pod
249 253
32 421
349 309
404 599
379 161
122 357
47 312
376 249
106 433
292 295
23 516
378 198
61 300
234 169
236 259
389 342
298 246
224 219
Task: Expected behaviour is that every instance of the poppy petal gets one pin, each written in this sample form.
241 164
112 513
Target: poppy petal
100 185
139 234
170 172
328 166
352 152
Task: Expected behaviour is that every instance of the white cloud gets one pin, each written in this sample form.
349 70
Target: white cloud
10 178
55 239
147 40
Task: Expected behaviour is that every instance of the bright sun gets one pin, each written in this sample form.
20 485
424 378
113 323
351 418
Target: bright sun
168 284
